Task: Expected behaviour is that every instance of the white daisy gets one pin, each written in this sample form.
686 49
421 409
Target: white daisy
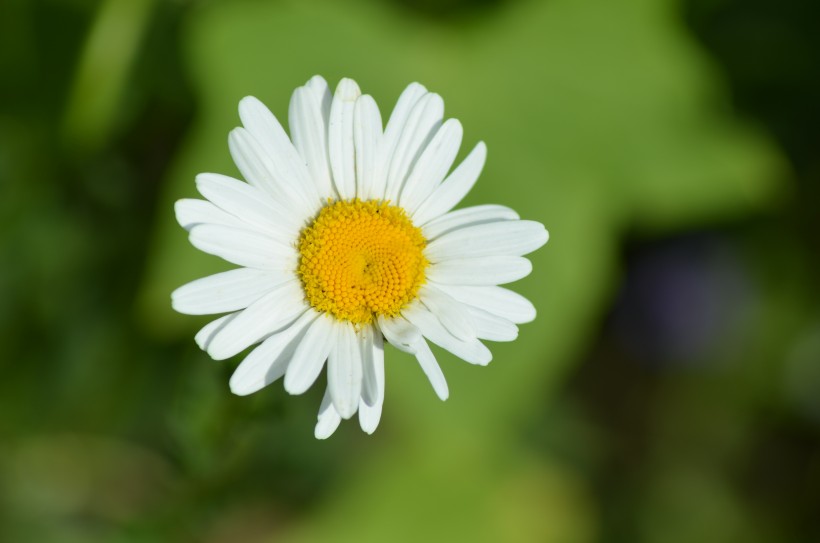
345 237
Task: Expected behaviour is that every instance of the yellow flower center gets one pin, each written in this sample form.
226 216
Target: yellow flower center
361 259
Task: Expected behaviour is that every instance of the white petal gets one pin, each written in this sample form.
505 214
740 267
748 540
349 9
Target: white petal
492 327
399 333
473 351
344 371
328 419
392 132
224 292
191 212
340 138
452 314
267 315
367 133
468 216
243 247
310 355
256 167
371 345
269 361
432 165
496 300
208 332
431 369
487 270
286 165
454 188
507 238
320 89
401 112
370 415
308 127
251 205
421 126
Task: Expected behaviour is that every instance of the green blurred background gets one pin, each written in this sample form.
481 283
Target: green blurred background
669 390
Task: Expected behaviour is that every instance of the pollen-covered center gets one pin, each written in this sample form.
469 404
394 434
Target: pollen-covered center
361 259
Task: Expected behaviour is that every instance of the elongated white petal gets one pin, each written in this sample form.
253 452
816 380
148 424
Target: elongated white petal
310 355
321 90
433 164
491 327
399 333
267 315
340 138
370 415
191 212
251 205
370 410
401 112
344 371
308 127
488 270
421 126
367 133
208 332
507 238
452 314
496 300
224 292
243 247
286 165
473 351
395 126
469 216
256 166
269 361
431 369
371 345
454 188
328 419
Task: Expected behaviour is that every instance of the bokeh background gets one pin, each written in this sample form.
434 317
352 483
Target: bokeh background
669 390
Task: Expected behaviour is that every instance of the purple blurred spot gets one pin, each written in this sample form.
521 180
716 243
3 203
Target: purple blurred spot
680 299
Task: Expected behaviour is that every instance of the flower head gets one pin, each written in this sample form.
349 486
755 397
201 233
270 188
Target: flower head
345 238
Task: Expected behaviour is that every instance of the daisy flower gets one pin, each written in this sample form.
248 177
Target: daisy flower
345 239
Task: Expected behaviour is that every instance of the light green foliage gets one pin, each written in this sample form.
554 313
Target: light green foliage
599 116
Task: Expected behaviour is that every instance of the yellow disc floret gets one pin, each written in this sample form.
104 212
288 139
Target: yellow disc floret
361 259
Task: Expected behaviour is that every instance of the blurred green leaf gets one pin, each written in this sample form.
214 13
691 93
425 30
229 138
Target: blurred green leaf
599 116
102 75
